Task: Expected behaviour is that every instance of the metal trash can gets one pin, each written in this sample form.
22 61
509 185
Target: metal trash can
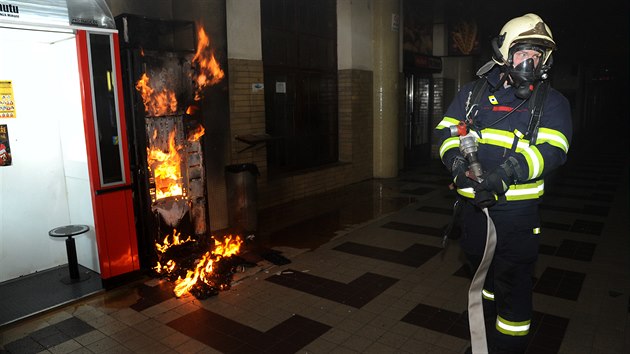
241 187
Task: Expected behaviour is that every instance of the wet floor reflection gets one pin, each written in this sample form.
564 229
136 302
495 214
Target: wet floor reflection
313 221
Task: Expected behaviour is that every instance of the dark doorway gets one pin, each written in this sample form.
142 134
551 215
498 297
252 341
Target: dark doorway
419 94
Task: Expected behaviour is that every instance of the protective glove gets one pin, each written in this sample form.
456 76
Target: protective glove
484 199
458 170
461 180
499 180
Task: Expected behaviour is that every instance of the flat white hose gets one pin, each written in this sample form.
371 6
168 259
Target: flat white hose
476 320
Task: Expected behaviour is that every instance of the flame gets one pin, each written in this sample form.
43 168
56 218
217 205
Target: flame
192 110
168 268
176 241
210 72
204 267
166 168
196 133
156 103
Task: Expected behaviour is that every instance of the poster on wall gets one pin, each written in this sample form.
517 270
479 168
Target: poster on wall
463 37
462 29
5 149
7 102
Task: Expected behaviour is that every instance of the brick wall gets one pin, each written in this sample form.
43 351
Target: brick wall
247 116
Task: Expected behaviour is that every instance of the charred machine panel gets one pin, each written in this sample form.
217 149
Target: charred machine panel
165 130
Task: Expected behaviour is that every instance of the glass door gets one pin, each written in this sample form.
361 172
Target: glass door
418 111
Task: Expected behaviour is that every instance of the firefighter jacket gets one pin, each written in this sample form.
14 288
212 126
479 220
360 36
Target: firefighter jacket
500 136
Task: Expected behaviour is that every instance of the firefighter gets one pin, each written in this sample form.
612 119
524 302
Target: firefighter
519 143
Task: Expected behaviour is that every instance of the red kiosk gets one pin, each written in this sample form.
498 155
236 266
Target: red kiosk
55 197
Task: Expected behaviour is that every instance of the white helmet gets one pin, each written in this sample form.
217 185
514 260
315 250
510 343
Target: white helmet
527 29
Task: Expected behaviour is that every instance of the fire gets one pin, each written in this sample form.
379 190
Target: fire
204 269
209 274
176 241
166 168
158 103
211 271
196 134
192 110
170 265
168 268
210 73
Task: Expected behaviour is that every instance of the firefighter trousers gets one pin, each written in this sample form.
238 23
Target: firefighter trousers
507 294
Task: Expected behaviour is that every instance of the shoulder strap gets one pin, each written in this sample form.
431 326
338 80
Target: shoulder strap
475 95
536 103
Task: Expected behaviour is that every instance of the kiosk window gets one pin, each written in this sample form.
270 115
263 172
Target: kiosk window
107 121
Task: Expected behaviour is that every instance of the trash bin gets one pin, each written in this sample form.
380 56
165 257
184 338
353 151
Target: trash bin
240 182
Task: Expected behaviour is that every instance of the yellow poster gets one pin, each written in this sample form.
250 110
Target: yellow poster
7 102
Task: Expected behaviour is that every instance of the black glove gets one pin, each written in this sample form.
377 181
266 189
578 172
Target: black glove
484 199
458 170
461 180
499 180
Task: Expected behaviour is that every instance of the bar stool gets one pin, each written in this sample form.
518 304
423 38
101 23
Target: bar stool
70 231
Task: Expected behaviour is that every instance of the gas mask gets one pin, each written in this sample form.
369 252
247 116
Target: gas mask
523 76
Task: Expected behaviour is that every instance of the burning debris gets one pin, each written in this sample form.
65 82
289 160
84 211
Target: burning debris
202 274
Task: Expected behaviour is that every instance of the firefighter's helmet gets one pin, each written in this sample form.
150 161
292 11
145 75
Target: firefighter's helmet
527 29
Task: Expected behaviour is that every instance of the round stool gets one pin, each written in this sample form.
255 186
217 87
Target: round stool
70 231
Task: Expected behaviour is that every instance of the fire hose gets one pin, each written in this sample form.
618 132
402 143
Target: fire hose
476 322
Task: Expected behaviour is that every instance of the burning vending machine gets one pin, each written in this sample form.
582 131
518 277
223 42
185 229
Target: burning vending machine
166 67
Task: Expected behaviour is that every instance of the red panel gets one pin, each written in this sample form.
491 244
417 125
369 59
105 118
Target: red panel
120 239
113 209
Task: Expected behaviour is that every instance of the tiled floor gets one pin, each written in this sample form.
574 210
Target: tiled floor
367 274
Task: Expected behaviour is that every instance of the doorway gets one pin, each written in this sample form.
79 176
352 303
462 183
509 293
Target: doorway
416 126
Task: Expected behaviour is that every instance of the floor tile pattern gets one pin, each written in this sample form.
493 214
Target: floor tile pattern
49 336
153 295
560 283
413 256
402 292
414 228
357 293
229 336
439 320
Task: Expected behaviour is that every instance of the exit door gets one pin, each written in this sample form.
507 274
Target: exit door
418 112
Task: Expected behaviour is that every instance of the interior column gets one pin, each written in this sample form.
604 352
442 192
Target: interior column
386 68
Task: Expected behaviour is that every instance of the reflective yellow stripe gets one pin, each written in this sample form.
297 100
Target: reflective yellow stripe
487 295
497 137
553 137
466 192
448 144
534 159
526 191
512 328
536 231
447 122
505 139
516 192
